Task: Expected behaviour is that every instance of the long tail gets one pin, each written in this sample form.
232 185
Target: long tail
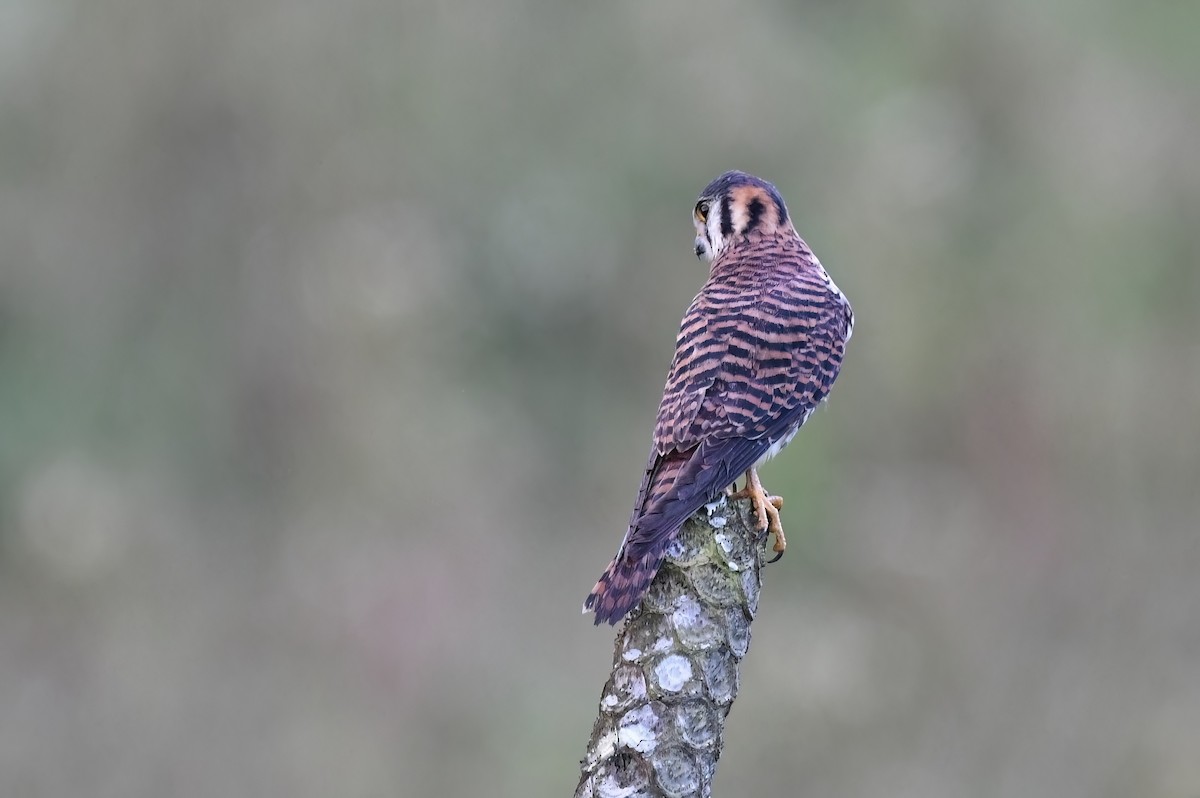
658 515
622 586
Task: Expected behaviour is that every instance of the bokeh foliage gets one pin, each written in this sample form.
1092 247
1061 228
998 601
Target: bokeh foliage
331 336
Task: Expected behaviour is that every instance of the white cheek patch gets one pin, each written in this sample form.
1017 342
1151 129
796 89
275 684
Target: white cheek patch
716 242
741 219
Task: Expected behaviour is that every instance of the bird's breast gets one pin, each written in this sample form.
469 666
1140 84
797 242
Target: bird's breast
777 447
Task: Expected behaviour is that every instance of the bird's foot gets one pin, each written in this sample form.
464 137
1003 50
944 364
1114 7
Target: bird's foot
774 526
766 508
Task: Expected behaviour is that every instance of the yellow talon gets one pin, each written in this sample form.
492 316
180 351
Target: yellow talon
766 508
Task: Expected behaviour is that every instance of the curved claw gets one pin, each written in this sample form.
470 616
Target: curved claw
771 507
766 508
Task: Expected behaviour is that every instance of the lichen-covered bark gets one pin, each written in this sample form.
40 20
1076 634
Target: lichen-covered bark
675 668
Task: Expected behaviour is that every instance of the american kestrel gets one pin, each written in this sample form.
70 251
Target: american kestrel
758 350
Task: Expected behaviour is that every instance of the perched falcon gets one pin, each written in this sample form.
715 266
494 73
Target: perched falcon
758 350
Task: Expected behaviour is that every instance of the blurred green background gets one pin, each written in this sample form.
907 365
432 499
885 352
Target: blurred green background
331 336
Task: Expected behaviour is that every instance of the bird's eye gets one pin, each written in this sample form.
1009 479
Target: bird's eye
702 210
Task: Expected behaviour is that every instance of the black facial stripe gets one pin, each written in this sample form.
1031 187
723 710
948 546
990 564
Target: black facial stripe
756 211
723 185
726 217
783 214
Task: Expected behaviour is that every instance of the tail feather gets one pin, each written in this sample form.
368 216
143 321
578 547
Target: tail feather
622 586
675 486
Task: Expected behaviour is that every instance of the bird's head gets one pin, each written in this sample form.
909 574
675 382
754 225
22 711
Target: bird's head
734 206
